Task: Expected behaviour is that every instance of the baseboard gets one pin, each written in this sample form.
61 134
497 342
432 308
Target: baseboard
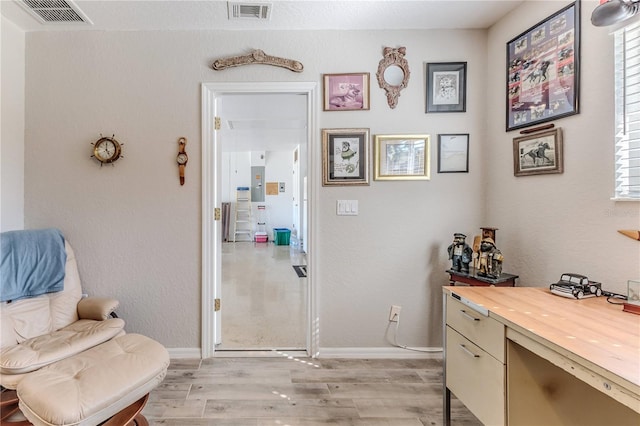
184 353
356 353
380 353
275 353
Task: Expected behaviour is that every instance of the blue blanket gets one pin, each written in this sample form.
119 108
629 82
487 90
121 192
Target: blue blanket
31 263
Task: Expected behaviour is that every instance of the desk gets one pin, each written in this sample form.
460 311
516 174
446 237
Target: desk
473 279
524 356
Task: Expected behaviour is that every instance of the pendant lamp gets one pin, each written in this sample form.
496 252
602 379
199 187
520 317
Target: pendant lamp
610 12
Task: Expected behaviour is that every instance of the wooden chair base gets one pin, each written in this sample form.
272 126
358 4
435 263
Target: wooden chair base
8 407
129 416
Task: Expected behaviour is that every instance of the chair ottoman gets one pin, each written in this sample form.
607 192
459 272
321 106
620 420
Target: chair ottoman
95 385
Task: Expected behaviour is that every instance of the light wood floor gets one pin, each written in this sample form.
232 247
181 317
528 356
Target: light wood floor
286 390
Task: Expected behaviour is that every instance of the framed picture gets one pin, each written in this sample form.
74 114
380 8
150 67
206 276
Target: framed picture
345 156
401 157
538 153
453 153
543 70
346 92
447 87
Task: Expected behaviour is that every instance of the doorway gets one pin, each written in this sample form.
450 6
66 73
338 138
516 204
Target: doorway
213 303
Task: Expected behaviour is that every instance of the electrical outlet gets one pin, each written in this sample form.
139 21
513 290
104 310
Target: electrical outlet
394 314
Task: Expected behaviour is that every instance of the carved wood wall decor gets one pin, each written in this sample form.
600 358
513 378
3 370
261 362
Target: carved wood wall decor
393 73
257 56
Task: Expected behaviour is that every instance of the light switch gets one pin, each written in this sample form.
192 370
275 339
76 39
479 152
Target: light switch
347 207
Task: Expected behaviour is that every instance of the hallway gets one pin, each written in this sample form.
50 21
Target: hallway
264 302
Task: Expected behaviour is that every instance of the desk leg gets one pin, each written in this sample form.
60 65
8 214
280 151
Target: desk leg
446 407
446 393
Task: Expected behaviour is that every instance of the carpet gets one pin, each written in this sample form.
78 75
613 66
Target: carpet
301 270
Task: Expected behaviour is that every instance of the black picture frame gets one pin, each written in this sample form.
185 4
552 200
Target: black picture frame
543 70
453 153
446 87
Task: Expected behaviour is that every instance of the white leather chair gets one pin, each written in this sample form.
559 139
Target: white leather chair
53 337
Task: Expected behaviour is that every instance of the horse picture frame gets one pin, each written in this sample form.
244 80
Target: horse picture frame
538 153
542 70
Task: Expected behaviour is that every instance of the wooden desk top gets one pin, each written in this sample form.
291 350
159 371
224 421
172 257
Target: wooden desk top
595 331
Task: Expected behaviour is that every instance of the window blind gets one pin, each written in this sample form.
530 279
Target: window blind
627 112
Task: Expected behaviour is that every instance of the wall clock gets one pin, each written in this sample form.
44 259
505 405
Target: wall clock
182 158
107 150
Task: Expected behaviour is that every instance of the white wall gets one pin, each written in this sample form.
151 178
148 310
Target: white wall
12 59
236 171
279 166
137 231
394 251
550 224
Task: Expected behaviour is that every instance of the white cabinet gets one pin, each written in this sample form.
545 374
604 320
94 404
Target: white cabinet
475 361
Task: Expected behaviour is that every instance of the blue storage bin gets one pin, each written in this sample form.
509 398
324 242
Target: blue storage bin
281 236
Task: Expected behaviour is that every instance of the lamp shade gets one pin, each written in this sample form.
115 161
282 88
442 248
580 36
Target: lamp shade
613 11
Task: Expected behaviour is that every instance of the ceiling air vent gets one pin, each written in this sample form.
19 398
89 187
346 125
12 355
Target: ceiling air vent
258 11
55 11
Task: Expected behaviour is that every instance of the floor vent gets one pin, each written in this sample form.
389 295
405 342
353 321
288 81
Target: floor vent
55 11
257 11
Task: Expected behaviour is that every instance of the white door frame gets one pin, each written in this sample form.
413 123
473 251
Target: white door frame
297 194
211 199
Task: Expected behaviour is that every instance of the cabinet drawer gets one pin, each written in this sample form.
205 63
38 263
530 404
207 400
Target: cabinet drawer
484 331
476 378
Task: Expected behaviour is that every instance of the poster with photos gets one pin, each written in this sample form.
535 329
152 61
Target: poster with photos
542 70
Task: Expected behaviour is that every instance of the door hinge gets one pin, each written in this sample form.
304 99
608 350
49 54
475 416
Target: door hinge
217 123
216 305
217 213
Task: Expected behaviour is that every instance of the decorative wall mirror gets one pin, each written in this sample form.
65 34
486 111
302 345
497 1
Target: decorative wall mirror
393 73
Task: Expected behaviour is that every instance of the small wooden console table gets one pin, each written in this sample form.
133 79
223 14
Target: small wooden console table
473 279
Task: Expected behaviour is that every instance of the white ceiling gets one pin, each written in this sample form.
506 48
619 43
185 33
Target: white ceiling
285 15
263 122
250 123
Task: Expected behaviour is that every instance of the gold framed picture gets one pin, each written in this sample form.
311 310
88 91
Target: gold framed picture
402 157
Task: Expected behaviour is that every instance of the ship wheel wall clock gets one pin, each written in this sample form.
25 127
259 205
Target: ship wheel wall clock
107 150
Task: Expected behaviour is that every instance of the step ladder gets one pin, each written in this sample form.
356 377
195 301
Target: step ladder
243 223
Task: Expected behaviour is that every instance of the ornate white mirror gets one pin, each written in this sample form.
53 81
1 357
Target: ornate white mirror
393 73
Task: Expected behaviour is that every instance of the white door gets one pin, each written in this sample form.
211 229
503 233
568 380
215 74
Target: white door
211 201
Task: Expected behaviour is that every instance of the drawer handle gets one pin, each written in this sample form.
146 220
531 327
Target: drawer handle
469 317
464 348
